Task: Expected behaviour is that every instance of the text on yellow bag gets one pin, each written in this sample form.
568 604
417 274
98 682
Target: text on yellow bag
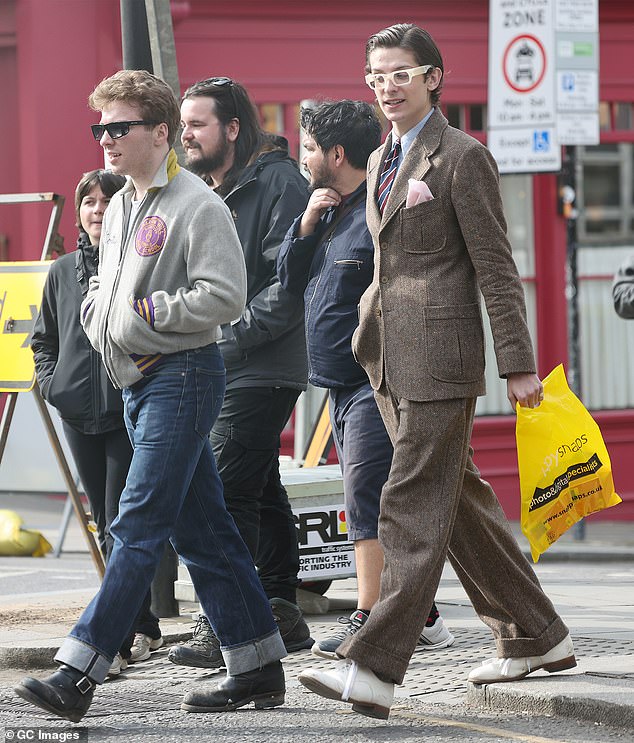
564 466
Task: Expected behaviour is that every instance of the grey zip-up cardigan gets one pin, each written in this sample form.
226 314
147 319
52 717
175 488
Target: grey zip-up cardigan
168 279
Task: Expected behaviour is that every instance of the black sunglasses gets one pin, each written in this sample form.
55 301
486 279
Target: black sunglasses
117 129
222 82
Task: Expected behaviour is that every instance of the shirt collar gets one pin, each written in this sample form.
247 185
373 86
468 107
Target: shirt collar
408 138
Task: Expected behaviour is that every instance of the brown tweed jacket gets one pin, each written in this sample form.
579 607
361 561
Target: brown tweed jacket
419 320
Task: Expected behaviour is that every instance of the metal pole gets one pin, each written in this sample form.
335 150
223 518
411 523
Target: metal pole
572 284
572 287
95 553
148 44
163 51
134 36
161 42
7 417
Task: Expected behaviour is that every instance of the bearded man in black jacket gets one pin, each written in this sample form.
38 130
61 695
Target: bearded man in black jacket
264 350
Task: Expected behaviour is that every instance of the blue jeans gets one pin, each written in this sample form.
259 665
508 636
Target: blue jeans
173 491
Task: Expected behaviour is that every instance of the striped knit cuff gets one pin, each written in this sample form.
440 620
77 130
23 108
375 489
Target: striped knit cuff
146 363
144 307
86 308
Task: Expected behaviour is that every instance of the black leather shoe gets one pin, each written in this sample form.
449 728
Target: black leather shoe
265 687
290 622
66 693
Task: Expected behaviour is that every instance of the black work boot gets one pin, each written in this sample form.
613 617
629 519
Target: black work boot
290 622
264 686
66 693
202 651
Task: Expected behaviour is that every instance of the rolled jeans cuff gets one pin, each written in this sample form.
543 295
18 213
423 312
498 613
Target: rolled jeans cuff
84 658
253 654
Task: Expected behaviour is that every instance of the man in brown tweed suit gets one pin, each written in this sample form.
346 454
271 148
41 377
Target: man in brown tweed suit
420 340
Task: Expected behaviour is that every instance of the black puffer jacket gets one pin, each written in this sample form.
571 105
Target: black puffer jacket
266 347
69 370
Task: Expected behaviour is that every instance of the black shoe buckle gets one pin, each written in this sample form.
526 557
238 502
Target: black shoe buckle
84 685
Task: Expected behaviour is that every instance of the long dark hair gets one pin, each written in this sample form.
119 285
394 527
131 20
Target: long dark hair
231 101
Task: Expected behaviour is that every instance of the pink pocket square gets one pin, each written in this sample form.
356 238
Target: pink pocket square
417 192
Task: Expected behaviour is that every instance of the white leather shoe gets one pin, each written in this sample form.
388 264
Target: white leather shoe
350 682
560 658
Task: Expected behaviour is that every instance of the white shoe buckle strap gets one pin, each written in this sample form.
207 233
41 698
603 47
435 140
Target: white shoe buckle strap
505 665
350 679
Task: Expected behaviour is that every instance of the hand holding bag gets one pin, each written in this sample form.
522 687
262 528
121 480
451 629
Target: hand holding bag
564 466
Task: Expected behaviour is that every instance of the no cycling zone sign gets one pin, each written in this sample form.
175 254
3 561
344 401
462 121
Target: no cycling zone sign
543 81
521 100
524 63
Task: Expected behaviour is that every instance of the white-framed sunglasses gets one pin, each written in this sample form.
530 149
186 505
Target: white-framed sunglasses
398 78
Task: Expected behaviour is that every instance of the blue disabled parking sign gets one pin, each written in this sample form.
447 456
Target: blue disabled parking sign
568 82
541 141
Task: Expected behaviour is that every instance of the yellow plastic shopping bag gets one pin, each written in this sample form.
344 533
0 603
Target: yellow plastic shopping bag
564 467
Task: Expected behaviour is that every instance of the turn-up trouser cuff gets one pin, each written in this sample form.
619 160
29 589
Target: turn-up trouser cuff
84 658
238 659
254 654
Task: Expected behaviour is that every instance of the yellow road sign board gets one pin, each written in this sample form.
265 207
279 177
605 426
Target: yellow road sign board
21 286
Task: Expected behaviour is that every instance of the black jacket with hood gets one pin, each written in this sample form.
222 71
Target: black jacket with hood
266 346
69 371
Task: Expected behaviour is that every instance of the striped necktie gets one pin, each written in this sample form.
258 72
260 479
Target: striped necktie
389 173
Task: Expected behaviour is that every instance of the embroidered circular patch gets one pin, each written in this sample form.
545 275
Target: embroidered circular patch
150 236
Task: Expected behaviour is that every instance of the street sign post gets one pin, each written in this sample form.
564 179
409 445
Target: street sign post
21 286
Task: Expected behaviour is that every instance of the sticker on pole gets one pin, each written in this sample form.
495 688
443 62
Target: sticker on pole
21 286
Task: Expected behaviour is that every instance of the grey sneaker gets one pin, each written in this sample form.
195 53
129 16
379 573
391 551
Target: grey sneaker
202 651
291 624
119 663
328 648
143 646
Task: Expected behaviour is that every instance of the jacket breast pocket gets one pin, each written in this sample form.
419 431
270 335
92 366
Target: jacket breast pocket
423 228
350 276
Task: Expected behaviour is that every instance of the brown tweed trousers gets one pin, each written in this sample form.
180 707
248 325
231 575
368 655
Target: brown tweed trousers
420 339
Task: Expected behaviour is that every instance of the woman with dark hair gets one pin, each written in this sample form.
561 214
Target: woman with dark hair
73 379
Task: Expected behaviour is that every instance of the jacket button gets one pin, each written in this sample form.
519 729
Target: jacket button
378 313
383 246
384 279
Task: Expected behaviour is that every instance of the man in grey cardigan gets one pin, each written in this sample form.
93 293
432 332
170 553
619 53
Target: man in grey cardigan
171 272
